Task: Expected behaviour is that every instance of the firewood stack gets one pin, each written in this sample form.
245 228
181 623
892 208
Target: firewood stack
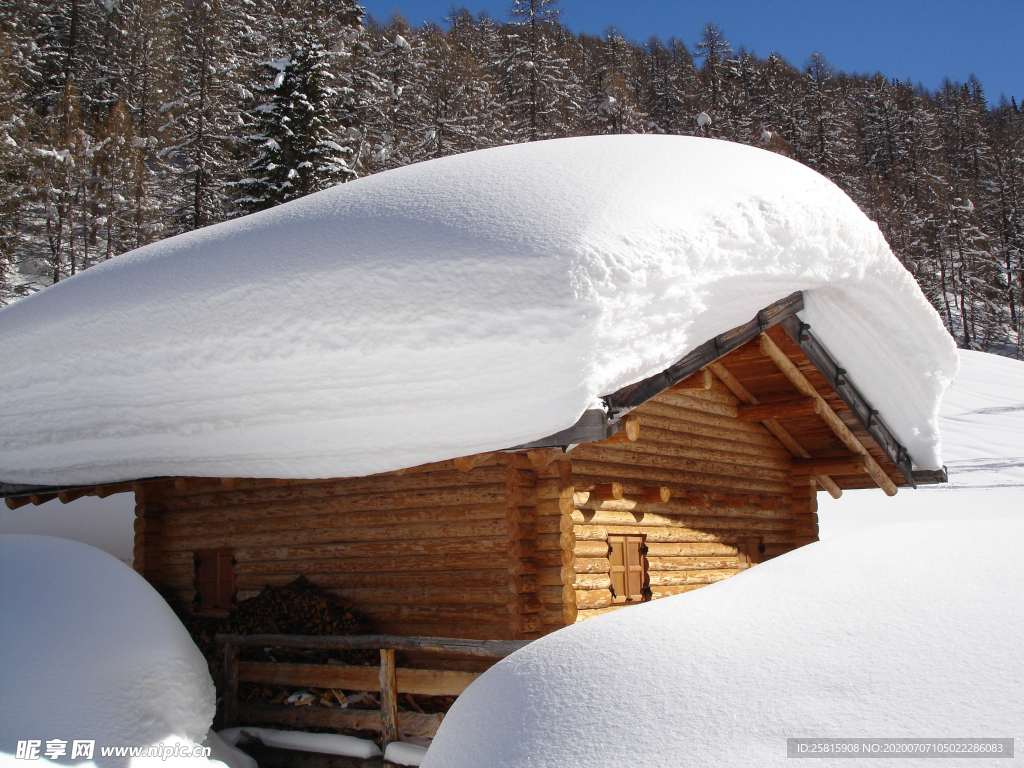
298 608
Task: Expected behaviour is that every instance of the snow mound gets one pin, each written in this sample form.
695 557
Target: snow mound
324 743
89 650
908 630
465 304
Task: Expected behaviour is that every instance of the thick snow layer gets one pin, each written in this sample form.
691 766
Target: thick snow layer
857 636
470 303
324 743
89 650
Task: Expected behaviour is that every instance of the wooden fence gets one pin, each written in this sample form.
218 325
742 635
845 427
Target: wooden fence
386 679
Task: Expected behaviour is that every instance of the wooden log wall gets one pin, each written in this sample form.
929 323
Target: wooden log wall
729 479
503 545
429 551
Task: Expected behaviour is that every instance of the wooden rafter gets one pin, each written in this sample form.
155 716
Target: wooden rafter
771 424
771 350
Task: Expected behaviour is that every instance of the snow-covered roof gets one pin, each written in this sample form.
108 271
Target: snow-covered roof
460 305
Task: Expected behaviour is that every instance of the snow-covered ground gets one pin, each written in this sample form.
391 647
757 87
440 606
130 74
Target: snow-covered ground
982 427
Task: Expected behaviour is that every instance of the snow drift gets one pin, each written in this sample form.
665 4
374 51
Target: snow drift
465 304
865 635
88 650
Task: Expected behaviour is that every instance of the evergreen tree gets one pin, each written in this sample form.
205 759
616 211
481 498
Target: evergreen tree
294 134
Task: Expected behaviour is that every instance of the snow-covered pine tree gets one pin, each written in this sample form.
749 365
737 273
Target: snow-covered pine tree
541 91
612 76
715 50
204 107
293 134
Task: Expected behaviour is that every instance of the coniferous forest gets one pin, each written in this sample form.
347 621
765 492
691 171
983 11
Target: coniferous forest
126 121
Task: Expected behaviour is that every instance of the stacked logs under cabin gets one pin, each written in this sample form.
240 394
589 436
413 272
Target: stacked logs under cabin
713 466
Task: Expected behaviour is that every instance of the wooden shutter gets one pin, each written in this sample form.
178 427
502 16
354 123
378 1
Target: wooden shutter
628 571
215 580
635 571
617 558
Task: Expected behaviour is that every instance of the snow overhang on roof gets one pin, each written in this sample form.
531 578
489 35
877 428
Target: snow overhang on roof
461 305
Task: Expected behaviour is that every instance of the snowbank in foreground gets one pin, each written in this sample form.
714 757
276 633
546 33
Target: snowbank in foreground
464 304
88 650
863 635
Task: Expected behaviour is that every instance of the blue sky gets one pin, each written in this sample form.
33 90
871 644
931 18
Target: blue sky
922 41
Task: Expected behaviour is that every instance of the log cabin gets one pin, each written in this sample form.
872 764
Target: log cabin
686 478
489 396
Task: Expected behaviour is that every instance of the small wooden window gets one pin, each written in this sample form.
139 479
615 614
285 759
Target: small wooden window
751 548
215 580
628 556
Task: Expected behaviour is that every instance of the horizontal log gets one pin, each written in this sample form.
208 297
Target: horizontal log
469 546
724 425
486 613
592 581
409 723
375 495
484 649
729 506
606 491
780 409
698 404
853 465
180 523
593 564
422 533
556 576
593 598
590 549
426 682
661 470
555 595
554 523
691 563
671 456
667 429
679 578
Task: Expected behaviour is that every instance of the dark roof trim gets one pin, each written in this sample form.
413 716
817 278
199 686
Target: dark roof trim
597 425
866 415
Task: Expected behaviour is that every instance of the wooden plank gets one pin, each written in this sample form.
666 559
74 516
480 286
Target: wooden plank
772 351
486 649
840 466
781 409
231 672
409 723
388 698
